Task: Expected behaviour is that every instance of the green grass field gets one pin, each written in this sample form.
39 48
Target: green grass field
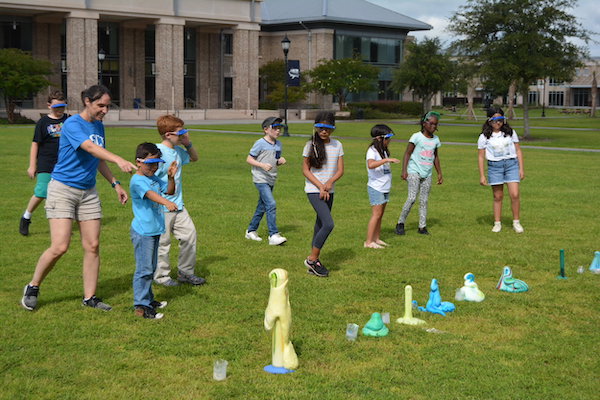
537 345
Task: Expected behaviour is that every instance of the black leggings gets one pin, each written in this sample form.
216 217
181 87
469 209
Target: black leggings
324 224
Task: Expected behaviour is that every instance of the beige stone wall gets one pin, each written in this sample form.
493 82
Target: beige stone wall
46 45
245 69
169 66
82 56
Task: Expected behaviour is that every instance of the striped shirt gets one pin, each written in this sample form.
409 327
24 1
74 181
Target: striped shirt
334 150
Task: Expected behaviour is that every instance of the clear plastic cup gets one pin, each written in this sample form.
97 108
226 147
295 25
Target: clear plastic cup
385 317
351 332
220 370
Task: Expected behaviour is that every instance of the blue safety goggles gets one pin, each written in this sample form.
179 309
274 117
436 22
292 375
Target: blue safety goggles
501 118
151 160
388 136
319 125
275 126
182 132
58 105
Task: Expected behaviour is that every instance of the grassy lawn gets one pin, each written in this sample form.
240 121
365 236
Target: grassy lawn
537 345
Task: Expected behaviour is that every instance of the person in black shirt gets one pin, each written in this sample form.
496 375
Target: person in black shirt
44 154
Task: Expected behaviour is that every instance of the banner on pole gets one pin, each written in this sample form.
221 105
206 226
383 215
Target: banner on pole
293 73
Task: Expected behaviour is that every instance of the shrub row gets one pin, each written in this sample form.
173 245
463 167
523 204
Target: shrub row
375 109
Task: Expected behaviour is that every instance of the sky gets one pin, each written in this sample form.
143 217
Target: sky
437 13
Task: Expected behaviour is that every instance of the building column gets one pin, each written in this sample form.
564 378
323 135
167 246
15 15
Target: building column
46 46
169 64
208 64
245 67
132 67
82 54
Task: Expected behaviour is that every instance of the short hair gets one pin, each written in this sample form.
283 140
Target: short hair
56 95
94 93
145 149
168 123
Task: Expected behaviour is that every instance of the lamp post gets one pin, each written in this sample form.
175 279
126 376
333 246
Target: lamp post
544 100
285 45
101 57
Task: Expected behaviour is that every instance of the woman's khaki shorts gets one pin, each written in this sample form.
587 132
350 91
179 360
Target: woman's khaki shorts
71 203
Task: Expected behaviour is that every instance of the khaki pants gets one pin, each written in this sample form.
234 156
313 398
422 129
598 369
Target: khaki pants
182 227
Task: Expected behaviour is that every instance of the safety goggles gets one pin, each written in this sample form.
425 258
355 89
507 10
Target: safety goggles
59 105
497 119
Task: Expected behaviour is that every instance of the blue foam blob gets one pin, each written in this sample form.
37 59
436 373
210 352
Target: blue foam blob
277 370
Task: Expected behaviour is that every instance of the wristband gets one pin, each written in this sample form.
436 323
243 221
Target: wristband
115 183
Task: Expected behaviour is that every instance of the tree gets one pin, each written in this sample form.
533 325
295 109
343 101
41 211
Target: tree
342 77
426 70
272 77
520 41
21 76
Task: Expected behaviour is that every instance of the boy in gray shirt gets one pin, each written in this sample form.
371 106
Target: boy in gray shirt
265 157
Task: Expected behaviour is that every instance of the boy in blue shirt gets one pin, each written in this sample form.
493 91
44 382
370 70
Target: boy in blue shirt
176 146
148 224
265 157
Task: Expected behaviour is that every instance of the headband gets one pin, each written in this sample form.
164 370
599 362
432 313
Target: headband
320 125
150 160
430 114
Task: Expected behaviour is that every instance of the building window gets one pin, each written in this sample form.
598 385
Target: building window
581 97
228 43
228 92
532 98
555 82
556 98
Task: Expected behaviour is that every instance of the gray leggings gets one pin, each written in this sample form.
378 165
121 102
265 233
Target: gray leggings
422 186
324 224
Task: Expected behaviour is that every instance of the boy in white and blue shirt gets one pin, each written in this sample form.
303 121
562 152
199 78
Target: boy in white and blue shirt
265 157
148 224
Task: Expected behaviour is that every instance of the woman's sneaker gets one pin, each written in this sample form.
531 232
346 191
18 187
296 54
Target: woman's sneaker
517 226
497 227
30 297
147 312
95 302
316 268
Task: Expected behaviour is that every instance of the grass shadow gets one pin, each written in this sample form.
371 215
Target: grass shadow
203 270
339 256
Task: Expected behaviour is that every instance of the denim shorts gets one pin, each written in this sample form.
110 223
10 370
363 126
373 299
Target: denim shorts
503 171
376 197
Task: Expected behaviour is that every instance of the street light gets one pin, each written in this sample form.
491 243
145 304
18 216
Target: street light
101 57
544 100
285 45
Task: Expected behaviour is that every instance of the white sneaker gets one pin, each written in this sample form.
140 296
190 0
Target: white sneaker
497 227
276 239
253 236
517 226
